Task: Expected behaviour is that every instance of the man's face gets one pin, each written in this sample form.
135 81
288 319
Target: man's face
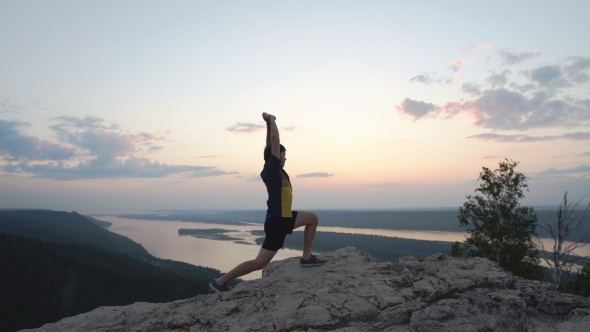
283 158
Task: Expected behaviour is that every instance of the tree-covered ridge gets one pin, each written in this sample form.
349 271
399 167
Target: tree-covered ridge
383 248
101 223
67 228
168 280
43 282
64 227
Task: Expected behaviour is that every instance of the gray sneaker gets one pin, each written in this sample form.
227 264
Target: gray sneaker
312 261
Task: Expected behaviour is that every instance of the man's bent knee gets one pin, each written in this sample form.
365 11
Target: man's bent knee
316 219
313 219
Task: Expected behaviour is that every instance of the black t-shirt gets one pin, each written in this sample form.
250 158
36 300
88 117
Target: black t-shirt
278 185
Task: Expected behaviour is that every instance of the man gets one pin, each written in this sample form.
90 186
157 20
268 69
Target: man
280 219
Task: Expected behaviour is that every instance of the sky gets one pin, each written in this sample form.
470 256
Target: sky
109 106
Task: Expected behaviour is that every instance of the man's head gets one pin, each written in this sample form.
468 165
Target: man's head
283 153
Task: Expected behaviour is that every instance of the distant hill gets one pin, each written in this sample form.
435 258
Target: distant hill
64 227
103 224
72 227
42 282
45 252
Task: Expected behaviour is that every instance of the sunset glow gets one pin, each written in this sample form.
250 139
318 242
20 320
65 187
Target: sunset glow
139 105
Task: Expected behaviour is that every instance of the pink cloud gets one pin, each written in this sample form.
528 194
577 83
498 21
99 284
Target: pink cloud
457 64
245 127
290 128
503 109
483 47
168 131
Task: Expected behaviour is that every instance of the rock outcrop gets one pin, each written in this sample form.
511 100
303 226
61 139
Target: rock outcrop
353 292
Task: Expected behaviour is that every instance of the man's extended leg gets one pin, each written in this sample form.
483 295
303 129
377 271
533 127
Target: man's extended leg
259 263
310 221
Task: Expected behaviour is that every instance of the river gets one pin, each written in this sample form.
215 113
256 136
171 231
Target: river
161 239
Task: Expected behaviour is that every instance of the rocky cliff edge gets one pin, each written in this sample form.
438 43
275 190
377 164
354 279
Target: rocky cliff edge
353 292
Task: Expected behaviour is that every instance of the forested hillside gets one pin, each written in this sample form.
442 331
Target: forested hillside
63 227
56 264
43 282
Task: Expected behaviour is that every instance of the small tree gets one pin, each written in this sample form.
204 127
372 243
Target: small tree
560 229
581 285
501 230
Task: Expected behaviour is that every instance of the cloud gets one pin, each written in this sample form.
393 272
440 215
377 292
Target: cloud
89 149
416 109
527 138
471 88
104 142
579 136
255 178
492 157
578 169
383 185
572 73
576 67
512 58
16 105
548 75
482 47
422 79
498 80
208 171
246 127
290 128
431 78
585 154
505 109
8 105
314 175
503 105
457 64
201 157
133 167
16 146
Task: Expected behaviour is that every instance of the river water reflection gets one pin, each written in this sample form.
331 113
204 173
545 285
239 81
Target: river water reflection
161 239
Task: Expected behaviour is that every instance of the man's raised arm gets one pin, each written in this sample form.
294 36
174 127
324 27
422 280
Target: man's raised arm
272 134
266 119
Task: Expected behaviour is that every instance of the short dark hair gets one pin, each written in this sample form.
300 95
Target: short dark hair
267 151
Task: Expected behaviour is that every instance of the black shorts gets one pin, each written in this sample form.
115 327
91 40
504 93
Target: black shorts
276 230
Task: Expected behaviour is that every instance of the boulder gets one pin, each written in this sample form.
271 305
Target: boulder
354 292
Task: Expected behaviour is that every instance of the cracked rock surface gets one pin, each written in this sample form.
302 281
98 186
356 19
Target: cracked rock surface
353 292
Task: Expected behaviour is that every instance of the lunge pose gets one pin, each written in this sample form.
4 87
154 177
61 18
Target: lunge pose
280 219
